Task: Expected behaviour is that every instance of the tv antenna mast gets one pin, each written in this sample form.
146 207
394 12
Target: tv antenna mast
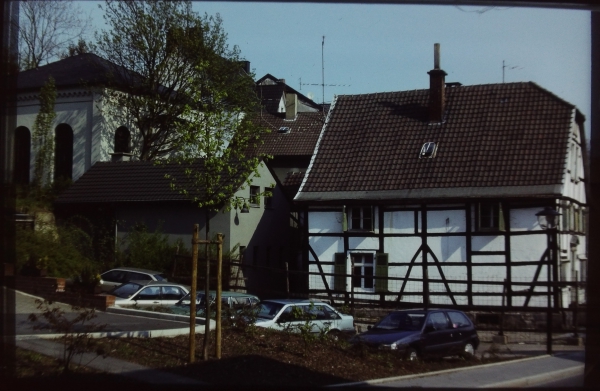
509 67
322 84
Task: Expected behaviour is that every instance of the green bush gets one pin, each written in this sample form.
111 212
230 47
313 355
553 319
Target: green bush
59 251
149 250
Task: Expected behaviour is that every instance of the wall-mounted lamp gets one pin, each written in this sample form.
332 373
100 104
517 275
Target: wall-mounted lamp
241 204
548 218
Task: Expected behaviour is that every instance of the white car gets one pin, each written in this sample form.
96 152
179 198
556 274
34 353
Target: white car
115 277
148 293
293 314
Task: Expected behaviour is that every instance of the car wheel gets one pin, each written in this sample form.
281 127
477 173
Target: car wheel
468 351
411 355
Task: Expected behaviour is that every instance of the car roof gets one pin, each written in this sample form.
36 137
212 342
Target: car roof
159 283
134 269
227 293
293 301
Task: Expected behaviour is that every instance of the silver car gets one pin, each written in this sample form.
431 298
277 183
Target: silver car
115 277
148 293
293 314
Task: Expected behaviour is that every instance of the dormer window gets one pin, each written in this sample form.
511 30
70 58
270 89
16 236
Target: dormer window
428 150
284 129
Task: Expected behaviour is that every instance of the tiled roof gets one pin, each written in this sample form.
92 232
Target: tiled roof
270 90
133 181
71 72
495 135
299 140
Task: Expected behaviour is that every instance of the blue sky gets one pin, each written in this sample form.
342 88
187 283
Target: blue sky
376 48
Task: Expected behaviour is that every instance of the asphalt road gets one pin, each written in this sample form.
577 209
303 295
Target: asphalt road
125 324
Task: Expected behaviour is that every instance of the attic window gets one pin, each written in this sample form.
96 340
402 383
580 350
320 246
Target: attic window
284 129
428 150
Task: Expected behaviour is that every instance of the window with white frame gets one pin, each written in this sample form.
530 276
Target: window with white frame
361 218
363 270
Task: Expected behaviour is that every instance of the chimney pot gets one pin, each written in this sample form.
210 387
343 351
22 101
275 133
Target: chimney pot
436 56
437 90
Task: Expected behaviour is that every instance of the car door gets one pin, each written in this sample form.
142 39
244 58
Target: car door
112 279
438 338
463 330
292 318
171 294
148 296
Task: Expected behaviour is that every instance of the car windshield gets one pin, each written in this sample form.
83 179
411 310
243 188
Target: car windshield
409 321
126 290
160 277
268 310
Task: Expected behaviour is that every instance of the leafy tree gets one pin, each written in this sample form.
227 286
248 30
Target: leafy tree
46 28
75 49
185 85
42 136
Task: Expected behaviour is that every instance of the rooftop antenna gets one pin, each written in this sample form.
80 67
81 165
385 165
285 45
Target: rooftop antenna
509 67
322 75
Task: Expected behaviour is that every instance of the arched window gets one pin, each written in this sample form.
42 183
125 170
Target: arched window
122 140
63 152
22 155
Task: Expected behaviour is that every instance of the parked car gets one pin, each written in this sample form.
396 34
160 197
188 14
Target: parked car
422 333
292 314
229 300
149 293
115 277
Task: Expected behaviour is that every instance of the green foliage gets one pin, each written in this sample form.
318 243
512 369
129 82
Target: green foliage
74 342
62 250
43 140
304 325
150 250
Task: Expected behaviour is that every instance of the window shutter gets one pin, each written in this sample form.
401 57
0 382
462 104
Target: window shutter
381 270
501 224
339 267
344 219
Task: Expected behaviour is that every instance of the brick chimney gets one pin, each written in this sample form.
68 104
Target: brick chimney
437 83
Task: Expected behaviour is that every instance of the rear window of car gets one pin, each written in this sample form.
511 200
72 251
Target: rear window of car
459 319
268 310
160 277
126 290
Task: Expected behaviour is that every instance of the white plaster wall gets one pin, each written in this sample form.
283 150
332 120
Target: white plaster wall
402 249
528 248
325 247
487 243
444 221
357 243
449 248
399 222
324 222
524 219
488 258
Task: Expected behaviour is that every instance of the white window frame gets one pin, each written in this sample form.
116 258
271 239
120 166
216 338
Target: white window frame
362 264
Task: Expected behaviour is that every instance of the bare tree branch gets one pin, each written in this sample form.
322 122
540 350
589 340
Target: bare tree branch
46 29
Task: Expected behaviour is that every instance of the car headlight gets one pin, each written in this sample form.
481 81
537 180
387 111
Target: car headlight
392 346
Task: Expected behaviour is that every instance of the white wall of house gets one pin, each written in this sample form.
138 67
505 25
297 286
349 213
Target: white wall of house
457 247
93 139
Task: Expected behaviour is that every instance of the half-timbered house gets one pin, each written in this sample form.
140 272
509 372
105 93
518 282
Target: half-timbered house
432 196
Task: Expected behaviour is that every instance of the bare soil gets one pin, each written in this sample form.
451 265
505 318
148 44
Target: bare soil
263 357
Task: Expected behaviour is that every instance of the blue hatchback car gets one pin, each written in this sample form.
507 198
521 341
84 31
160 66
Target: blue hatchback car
422 333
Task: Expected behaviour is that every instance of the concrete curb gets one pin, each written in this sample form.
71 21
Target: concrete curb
427 374
119 334
540 379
